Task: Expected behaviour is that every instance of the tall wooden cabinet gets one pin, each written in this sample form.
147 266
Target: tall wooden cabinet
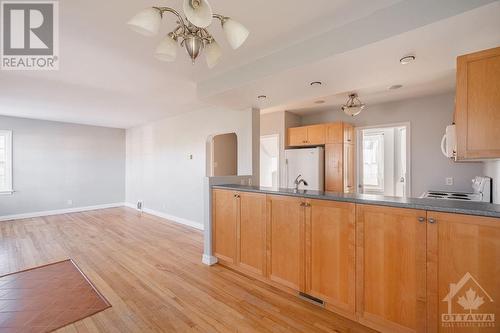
477 113
340 158
391 268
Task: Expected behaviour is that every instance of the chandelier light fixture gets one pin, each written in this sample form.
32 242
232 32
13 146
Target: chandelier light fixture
191 32
353 107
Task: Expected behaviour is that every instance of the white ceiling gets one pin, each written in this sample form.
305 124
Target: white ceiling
109 77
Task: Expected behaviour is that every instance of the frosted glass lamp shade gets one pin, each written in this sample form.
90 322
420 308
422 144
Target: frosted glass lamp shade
198 12
236 33
147 22
213 53
167 50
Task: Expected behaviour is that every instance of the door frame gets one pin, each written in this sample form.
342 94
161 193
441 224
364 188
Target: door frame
359 152
277 136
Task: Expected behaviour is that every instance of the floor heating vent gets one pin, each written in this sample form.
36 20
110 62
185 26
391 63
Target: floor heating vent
312 299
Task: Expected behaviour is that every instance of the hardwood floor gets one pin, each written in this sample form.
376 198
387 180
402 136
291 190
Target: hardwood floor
150 270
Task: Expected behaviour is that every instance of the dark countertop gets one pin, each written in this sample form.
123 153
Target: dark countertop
437 205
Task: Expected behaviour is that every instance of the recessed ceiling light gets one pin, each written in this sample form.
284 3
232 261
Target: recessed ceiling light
396 86
408 59
319 102
262 97
316 83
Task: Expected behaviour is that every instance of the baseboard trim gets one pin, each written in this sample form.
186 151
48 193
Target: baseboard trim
59 212
172 218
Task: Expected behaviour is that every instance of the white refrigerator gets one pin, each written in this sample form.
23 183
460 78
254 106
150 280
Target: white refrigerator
307 162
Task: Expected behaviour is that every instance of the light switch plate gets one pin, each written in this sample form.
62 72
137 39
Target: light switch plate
449 181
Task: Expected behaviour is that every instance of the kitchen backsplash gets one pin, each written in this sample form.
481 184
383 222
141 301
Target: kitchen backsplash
492 169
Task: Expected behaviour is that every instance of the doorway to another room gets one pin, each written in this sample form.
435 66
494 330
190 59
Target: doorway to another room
269 160
384 160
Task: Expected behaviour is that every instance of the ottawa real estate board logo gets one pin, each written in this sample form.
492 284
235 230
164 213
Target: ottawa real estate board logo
467 301
29 35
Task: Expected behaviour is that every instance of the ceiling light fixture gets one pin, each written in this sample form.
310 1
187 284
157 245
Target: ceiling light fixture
191 30
319 102
316 83
396 86
262 97
407 60
353 107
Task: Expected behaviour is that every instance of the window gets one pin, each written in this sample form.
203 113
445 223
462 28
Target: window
5 161
373 162
384 160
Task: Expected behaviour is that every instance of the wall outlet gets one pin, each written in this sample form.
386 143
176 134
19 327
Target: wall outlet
449 181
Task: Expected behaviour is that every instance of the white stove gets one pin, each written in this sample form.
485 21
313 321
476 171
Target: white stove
481 187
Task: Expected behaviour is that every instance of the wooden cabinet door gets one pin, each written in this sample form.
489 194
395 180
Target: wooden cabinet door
251 245
464 255
478 105
297 136
349 168
316 135
334 177
224 210
391 268
334 133
286 241
348 134
330 254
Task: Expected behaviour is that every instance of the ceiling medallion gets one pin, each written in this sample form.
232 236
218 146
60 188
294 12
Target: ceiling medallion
191 31
353 107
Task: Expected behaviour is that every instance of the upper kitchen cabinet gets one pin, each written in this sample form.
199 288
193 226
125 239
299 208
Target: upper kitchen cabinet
477 114
297 136
306 136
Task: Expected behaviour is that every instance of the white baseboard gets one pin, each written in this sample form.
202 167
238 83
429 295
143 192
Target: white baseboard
169 217
59 212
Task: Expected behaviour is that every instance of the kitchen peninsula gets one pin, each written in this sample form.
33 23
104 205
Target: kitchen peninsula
385 262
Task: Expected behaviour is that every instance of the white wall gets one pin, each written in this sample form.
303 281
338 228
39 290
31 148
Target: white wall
55 162
277 123
158 169
428 117
492 169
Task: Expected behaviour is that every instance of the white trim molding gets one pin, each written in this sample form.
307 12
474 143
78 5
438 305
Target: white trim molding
59 212
171 218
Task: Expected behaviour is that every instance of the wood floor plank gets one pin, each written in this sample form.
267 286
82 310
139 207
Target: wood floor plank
150 270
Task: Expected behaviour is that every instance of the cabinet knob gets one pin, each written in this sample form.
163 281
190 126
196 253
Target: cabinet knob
432 221
421 219
236 196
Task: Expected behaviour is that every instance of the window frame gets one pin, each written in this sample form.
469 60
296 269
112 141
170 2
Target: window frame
9 162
